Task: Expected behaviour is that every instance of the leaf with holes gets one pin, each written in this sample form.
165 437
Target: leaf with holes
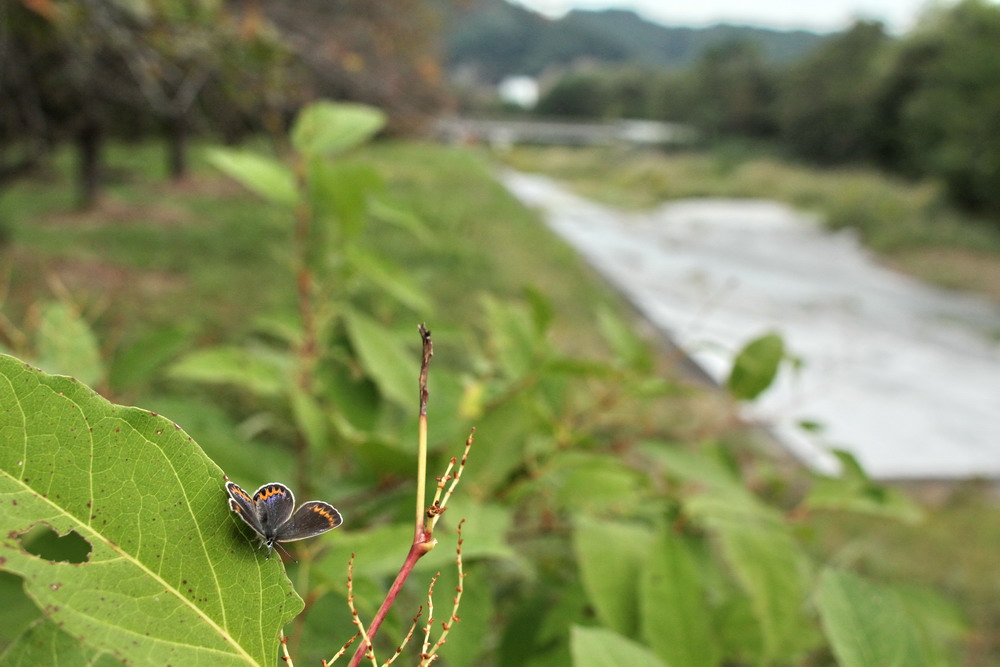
167 574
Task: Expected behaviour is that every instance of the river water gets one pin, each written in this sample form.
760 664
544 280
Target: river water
903 375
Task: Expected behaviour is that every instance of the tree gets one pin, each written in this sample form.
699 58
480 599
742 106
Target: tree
944 92
88 69
735 91
380 53
581 94
827 111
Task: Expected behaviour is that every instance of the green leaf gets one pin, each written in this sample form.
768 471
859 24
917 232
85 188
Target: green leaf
355 402
610 556
769 565
485 530
674 610
854 491
699 469
386 358
514 337
867 625
140 361
17 611
392 214
248 460
378 552
170 576
755 367
67 346
510 425
391 279
259 370
592 483
309 417
330 127
268 178
597 647
43 643
478 619
941 625
339 195
629 349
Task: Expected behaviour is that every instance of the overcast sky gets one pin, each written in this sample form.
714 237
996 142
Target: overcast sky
829 15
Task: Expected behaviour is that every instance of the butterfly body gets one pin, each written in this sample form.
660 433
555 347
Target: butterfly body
271 512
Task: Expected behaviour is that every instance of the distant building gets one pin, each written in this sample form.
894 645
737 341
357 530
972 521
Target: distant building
519 90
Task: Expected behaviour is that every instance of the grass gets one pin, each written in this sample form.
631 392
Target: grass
206 256
908 224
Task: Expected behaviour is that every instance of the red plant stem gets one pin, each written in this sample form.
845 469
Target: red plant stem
420 547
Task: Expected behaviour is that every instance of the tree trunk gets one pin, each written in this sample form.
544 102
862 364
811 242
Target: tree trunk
89 140
176 129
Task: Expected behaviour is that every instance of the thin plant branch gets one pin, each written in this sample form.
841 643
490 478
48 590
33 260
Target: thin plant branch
426 518
365 641
440 503
342 651
430 617
428 352
429 656
406 639
284 648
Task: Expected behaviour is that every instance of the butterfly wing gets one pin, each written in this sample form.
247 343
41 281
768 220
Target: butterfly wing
274 503
313 518
241 503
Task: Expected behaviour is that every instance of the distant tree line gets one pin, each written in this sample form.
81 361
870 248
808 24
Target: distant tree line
924 105
85 71
495 39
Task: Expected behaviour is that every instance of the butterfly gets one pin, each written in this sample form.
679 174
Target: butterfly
269 513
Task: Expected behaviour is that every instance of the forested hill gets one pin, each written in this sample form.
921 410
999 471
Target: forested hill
499 38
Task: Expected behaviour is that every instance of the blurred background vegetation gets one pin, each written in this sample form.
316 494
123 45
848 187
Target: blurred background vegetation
616 507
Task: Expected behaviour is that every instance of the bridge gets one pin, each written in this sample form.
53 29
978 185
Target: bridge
508 132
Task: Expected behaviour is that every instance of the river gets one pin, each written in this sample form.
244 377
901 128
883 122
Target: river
903 375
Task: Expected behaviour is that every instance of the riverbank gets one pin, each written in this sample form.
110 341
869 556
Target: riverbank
903 375
906 224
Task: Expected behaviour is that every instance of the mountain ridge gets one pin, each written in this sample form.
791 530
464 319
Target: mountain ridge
499 39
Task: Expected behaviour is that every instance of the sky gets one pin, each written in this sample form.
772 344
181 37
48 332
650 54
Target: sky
826 16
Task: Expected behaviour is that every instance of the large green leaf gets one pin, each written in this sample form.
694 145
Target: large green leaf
143 358
595 483
391 279
769 565
629 348
260 370
514 338
394 369
331 127
597 647
854 491
339 195
756 366
675 617
43 643
267 177
701 470
610 555
170 577
67 345
867 624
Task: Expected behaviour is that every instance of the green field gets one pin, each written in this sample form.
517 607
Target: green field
580 422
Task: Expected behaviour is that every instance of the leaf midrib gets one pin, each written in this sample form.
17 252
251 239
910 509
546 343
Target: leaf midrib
222 632
139 564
